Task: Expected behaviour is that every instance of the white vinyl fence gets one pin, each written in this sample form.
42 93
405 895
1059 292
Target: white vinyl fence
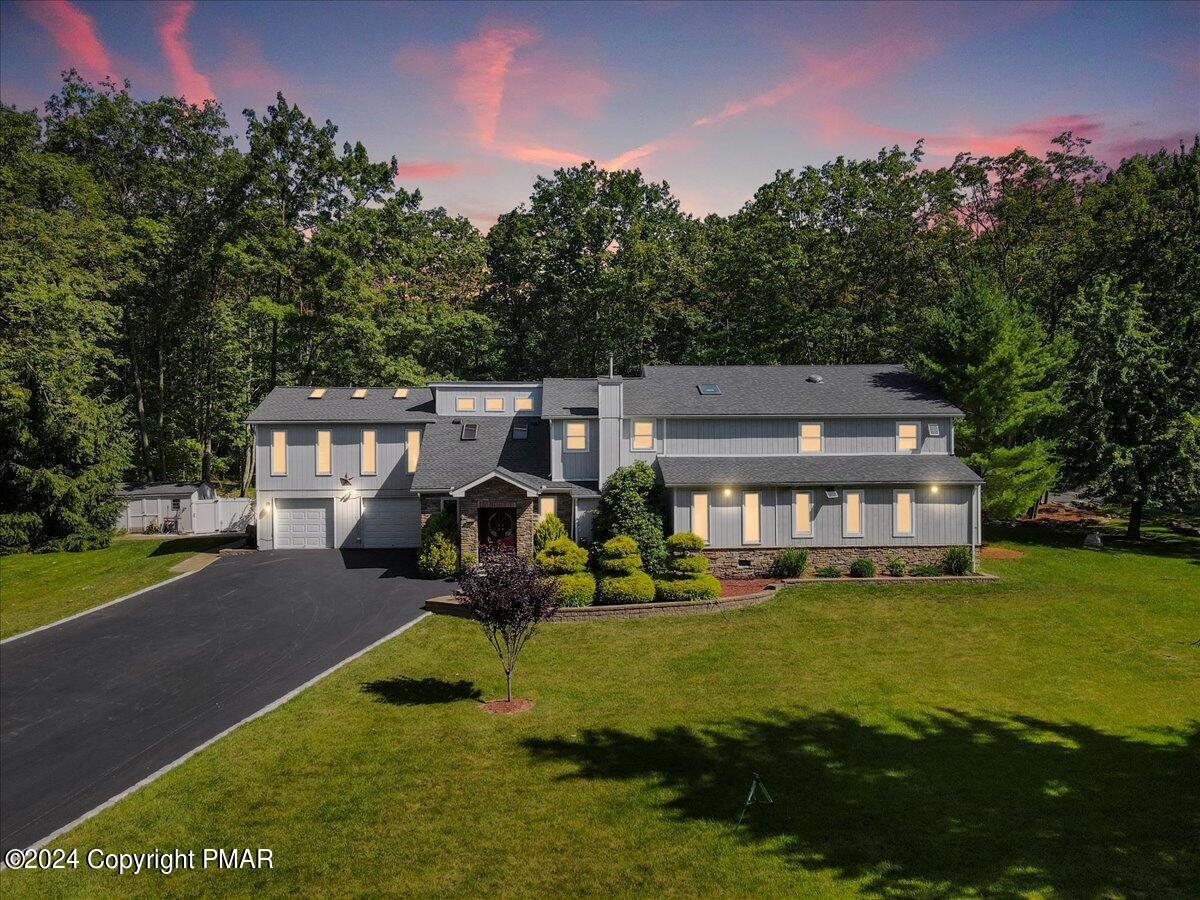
221 515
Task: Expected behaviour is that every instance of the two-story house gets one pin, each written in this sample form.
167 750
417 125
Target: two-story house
845 460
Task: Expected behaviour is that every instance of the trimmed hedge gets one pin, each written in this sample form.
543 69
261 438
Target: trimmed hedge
828 572
685 542
691 588
619 556
689 565
438 557
575 589
562 556
547 531
636 587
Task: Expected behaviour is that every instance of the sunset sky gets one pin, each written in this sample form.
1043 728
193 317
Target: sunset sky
477 100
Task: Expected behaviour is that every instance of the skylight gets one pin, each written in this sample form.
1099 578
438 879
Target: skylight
401 393
359 394
470 431
709 389
317 394
520 432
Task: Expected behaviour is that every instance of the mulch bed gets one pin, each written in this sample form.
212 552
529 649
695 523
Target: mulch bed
505 707
737 587
1065 514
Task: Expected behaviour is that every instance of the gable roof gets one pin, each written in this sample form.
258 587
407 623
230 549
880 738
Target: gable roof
894 468
874 390
292 404
133 490
562 397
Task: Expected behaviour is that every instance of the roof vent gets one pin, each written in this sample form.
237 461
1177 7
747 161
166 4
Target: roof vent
359 394
317 394
815 379
708 389
401 394
470 431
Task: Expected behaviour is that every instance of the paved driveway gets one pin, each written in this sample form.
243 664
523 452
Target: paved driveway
91 707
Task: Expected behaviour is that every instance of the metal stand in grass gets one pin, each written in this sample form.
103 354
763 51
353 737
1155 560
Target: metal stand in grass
756 787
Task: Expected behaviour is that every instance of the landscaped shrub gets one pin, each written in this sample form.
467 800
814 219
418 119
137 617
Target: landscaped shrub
924 571
621 577
828 572
629 505
566 563
467 563
957 561
441 522
687 577
549 529
790 563
895 566
438 559
862 568
575 589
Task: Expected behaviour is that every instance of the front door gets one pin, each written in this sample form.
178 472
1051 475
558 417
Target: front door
498 529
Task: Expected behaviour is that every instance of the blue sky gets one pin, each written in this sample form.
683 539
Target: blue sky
476 100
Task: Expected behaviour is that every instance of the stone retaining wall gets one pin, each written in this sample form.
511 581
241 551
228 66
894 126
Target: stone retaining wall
728 563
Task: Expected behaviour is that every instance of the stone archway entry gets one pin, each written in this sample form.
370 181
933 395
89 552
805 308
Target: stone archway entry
498 529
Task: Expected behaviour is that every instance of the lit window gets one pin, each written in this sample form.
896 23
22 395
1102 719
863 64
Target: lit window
852 513
810 437
401 394
464 404
577 438
359 394
802 502
278 452
368 452
317 394
547 506
751 518
324 452
906 436
524 404
902 505
494 404
643 434
414 450
700 516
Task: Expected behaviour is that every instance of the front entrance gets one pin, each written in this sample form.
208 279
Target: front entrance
498 529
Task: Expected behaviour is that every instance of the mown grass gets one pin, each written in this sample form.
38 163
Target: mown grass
1034 736
40 588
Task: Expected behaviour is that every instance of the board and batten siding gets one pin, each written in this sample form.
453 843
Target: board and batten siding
781 437
445 400
391 450
941 519
574 465
628 455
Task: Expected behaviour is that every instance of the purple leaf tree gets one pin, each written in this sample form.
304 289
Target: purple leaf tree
509 597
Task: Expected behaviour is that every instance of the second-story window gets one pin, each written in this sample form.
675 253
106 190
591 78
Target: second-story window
643 434
324 453
413 439
464 404
494 404
278 452
577 436
811 437
368 452
906 436
523 404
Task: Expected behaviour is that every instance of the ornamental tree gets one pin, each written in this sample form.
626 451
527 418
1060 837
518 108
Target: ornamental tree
510 598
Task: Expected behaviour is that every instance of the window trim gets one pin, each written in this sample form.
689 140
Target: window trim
488 401
275 445
707 535
542 501
464 403
796 495
912 512
412 449
862 500
317 454
362 452
917 426
567 448
758 502
523 404
633 436
800 436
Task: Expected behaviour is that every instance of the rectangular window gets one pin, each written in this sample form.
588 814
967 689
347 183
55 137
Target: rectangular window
852 514
547 506
643 434
523 404
902 513
906 436
811 437
278 452
324 453
368 452
751 518
934 430
700 515
494 404
414 449
577 436
175 505
464 404
802 504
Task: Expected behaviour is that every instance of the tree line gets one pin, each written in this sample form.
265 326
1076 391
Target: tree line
159 279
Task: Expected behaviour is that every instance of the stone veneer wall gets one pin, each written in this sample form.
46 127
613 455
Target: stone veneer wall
491 494
724 563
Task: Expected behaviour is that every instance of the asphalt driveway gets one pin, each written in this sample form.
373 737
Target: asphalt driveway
91 707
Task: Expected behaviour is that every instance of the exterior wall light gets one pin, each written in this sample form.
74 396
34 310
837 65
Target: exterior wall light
933 489
728 492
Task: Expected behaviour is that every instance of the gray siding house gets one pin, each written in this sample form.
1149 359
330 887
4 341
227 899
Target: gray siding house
847 461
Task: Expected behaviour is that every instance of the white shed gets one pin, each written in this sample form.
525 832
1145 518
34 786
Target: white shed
194 506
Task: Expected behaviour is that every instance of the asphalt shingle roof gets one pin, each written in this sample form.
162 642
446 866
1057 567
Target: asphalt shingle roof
818 470
570 397
448 462
875 390
292 404
159 489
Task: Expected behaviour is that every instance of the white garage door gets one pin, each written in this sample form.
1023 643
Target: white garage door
391 523
303 524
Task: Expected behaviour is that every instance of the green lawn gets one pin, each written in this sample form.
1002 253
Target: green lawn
39 588
1035 736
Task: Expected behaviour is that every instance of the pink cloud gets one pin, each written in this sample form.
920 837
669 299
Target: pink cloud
483 64
75 33
1121 148
190 84
541 155
429 169
624 160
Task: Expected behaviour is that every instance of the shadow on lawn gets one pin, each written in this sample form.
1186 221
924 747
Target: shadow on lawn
198 544
1163 544
421 691
949 804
